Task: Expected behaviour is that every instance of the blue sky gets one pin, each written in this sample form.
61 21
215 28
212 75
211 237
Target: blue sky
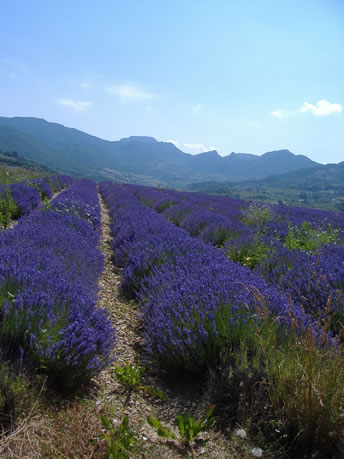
245 76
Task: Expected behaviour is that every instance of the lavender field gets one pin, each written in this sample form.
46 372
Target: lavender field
244 298
19 199
240 287
187 257
48 300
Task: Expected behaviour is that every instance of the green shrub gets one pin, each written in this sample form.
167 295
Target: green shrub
15 395
8 209
188 426
251 254
119 440
258 214
308 239
130 376
165 205
220 236
305 386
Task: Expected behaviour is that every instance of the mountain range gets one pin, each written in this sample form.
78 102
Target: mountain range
136 159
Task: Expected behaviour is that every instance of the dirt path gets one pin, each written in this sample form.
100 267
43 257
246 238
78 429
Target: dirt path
123 316
112 396
130 349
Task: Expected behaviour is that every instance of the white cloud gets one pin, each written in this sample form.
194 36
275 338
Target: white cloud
175 143
321 108
281 113
129 92
195 148
78 106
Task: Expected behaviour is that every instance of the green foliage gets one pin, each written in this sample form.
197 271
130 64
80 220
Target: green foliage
15 395
53 184
165 205
8 209
46 207
9 174
258 214
188 426
119 440
251 254
148 203
288 188
152 391
230 339
161 430
15 329
232 327
305 385
220 236
308 239
130 376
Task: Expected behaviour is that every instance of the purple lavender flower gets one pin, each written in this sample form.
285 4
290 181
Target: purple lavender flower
49 270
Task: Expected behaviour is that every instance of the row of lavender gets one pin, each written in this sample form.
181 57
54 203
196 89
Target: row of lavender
194 302
19 199
298 251
200 309
50 265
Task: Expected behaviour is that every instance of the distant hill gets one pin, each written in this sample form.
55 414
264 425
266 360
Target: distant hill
26 145
135 159
13 159
327 176
312 178
16 168
318 186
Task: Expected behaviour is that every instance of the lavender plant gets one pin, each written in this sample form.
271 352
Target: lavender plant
254 235
26 197
193 299
19 199
198 308
49 270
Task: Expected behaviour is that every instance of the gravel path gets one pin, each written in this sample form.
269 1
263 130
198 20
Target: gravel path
123 315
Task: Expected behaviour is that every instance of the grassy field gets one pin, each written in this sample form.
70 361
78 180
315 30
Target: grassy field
298 197
329 199
13 174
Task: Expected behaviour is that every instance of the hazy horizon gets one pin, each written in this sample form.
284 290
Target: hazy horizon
245 77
